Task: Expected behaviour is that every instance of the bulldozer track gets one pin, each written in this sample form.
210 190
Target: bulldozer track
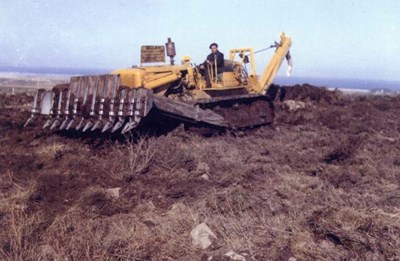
244 111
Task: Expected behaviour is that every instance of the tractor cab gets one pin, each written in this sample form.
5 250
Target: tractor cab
238 72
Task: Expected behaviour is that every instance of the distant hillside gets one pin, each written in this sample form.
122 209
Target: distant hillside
16 80
47 70
346 83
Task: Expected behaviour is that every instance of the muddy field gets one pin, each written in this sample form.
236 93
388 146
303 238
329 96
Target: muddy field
321 184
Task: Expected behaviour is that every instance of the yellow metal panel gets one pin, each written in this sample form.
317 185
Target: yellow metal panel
164 68
155 76
149 77
229 79
161 81
131 77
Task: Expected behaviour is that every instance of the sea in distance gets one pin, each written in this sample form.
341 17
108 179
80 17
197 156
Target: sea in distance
331 83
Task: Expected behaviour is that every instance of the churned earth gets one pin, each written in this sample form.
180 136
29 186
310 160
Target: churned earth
322 183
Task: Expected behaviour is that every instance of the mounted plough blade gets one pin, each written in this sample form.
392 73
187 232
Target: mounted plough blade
92 103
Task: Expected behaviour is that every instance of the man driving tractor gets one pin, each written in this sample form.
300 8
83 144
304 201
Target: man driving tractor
214 59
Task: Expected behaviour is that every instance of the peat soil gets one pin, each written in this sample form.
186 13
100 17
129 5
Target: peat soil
322 183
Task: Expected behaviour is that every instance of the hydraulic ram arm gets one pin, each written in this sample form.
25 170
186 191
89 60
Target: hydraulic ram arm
281 52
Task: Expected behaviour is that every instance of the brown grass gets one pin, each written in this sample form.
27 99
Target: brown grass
324 185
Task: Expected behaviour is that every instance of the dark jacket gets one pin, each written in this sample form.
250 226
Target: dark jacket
220 61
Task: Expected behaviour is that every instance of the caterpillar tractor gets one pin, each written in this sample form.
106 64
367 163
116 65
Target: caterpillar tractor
126 98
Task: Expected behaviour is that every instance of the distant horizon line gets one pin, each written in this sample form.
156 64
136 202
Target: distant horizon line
74 70
52 70
81 71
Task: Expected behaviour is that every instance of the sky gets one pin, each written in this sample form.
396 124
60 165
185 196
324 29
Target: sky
331 38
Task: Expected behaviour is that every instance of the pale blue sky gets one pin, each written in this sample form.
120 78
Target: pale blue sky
335 38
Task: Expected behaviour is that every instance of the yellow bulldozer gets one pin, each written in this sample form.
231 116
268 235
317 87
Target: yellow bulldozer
126 98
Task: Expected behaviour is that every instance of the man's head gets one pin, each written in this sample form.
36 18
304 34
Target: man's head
214 47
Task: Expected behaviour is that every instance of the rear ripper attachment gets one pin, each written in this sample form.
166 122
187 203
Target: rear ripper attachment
92 103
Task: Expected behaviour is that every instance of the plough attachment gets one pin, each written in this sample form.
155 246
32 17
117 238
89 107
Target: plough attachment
92 103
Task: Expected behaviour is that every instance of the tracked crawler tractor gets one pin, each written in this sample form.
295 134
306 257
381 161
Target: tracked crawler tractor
120 101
